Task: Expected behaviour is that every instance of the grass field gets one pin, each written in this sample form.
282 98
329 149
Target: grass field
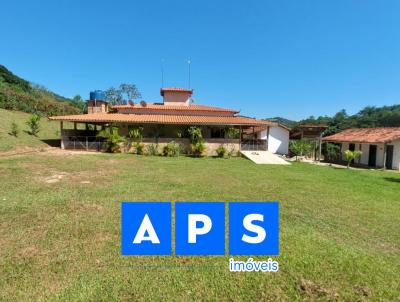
60 230
48 130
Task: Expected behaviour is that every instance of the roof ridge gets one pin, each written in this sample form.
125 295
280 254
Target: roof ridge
176 107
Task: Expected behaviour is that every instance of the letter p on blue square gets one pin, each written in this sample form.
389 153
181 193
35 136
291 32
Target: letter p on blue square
199 228
146 228
253 228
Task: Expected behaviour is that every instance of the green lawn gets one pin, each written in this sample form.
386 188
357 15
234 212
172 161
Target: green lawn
60 230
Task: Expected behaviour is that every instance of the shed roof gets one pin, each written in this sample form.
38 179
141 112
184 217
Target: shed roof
366 135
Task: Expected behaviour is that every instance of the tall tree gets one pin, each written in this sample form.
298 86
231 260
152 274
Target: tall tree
131 91
114 96
79 102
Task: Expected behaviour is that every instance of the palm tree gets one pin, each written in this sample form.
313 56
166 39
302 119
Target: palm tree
351 155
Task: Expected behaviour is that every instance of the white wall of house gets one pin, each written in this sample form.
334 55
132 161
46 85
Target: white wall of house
364 148
278 140
396 154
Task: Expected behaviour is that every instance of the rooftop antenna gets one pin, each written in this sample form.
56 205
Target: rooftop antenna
189 62
162 73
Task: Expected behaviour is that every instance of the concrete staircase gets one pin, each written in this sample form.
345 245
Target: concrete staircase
264 157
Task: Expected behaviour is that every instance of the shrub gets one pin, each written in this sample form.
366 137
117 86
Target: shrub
300 147
136 134
34 124
112 139
331 152
152 149
231 152
351 155
14 129
221 151
232 132
172 149
195 134
198 148
139 147
197 141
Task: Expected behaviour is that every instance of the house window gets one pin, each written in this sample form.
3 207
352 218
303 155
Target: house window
217 133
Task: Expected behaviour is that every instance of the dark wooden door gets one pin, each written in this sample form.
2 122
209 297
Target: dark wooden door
372 156
389 157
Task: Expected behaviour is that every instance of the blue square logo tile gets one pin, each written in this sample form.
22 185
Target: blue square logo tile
199 228
253 228
146 228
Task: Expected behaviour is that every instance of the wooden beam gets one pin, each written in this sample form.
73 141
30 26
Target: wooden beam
61 134
320 148
240 138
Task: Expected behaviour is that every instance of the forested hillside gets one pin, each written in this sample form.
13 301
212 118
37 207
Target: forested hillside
18 94
386 116
282 120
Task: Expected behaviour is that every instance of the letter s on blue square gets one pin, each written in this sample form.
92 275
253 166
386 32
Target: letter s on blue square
147 223
204 232
253 228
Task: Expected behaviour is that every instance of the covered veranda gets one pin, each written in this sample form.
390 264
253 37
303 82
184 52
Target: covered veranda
85 135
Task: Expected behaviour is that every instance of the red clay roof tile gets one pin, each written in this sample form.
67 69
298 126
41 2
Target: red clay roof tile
366 135
160 119
175 89
160 107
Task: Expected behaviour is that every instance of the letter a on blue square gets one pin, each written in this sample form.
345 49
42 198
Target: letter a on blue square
253 228
146 228
199 228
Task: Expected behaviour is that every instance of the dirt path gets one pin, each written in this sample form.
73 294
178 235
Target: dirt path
47 150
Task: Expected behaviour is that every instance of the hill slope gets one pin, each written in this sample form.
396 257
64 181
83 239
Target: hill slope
48 130
18 94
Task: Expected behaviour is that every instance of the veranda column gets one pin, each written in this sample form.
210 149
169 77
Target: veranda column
384 156
61 134
320 147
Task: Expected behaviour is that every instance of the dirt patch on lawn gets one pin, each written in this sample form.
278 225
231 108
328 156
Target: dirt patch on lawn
63 152
317 292
28 252
84 178
21 150
55 177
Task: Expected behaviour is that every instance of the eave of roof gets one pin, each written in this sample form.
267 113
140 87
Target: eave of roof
366 135
264 127
160 119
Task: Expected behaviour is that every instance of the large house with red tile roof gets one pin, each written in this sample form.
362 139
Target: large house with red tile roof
380 147
166 121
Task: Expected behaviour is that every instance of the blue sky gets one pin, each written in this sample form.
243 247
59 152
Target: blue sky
267 58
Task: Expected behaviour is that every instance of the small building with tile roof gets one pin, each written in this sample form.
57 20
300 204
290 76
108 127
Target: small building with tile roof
380 147
166 121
